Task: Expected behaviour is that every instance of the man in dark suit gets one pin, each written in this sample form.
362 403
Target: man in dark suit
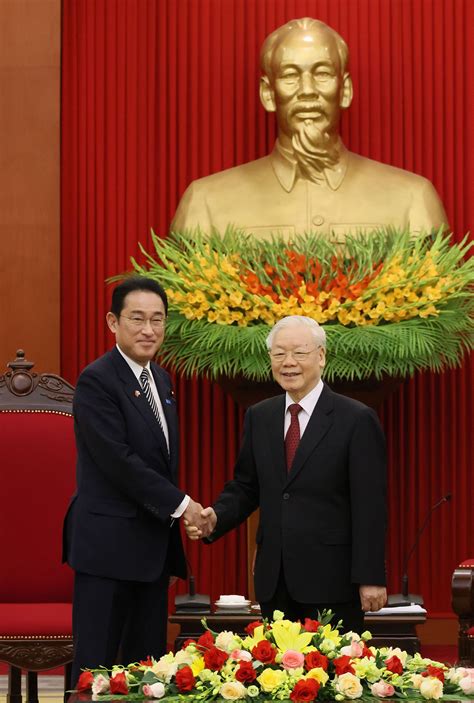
313 461
120 533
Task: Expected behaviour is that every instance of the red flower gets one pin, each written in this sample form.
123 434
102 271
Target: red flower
84 682
185 679
215 658
315 660
118 683
187 642
305 690
394 665
311 625
367 653
264 652
251 627
206 641
245 672
434 671
146 662
343 665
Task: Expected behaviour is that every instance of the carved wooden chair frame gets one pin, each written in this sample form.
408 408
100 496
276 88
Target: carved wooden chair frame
23 390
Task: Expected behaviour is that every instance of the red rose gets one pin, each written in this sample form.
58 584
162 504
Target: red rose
367 653
245 672
146 662
265 652
185 679
343 665
251 627
305 690
434 671
118 683
206 641
215 658
394 665
311 625
315 660
84 682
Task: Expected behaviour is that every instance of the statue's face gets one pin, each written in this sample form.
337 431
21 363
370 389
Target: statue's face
307 82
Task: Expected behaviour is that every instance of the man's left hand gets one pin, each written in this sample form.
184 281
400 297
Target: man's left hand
372 597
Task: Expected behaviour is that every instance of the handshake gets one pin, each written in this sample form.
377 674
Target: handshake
198 521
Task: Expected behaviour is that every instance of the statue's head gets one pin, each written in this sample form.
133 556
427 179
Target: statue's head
305 78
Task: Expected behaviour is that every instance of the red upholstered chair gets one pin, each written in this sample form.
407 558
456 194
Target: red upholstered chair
462 590
37 458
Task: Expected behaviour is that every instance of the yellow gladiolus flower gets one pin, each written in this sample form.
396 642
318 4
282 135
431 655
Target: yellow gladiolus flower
197 665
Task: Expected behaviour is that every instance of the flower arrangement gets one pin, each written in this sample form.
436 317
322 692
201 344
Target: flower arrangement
390 302
282 660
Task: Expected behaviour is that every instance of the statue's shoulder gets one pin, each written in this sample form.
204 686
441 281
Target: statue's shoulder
364 167
231 176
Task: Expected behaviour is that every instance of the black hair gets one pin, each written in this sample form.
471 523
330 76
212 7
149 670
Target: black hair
129 285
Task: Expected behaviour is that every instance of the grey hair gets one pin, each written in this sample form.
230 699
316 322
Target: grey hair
292 321
273 39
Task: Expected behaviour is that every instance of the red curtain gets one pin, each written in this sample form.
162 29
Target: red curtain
156 93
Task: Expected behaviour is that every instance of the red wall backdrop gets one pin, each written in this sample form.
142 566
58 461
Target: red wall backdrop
158 92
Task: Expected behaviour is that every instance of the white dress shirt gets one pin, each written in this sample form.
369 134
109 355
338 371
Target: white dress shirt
308 403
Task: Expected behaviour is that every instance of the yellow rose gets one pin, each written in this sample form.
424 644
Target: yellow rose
232 690
431 688
318 674
270 679
349 685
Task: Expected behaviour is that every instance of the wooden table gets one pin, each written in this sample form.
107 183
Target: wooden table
387 630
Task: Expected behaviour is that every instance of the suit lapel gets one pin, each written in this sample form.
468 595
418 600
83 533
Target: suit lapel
317 427
137 397
168 404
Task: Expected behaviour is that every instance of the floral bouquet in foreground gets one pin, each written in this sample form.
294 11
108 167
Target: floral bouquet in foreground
282 660
390 302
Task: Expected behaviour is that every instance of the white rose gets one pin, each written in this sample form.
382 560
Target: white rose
466 684
417 680
165 668
100 684
232 690
349 685
431 688
227 641
183 657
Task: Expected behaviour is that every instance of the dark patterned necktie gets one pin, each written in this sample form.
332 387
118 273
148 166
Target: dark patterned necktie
145 383
292 438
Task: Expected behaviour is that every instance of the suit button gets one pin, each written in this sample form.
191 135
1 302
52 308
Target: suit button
318 220
286 496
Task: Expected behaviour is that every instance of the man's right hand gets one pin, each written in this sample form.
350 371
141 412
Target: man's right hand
203 526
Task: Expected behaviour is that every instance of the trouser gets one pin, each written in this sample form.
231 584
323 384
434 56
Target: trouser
350 612
117 620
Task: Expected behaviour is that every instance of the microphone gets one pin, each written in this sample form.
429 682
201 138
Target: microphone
192 602
406 598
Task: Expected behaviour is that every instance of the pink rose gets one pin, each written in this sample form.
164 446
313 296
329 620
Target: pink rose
353 650
292 659
240 655
382 689
467 682
100 684
154 690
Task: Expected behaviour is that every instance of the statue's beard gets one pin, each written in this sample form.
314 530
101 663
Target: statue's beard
314 148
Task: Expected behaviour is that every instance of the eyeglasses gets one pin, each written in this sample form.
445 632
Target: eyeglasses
139 322
278 357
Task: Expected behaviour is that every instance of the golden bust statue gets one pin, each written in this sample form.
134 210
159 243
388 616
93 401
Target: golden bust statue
310 181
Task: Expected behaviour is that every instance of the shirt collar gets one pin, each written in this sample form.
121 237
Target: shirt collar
136 368
308 403
285 167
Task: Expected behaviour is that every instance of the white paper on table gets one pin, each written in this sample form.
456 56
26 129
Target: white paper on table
399 610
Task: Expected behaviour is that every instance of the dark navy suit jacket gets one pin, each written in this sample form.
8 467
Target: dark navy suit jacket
325 519
118 523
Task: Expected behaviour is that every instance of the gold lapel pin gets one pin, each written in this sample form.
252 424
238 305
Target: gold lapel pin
137 394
